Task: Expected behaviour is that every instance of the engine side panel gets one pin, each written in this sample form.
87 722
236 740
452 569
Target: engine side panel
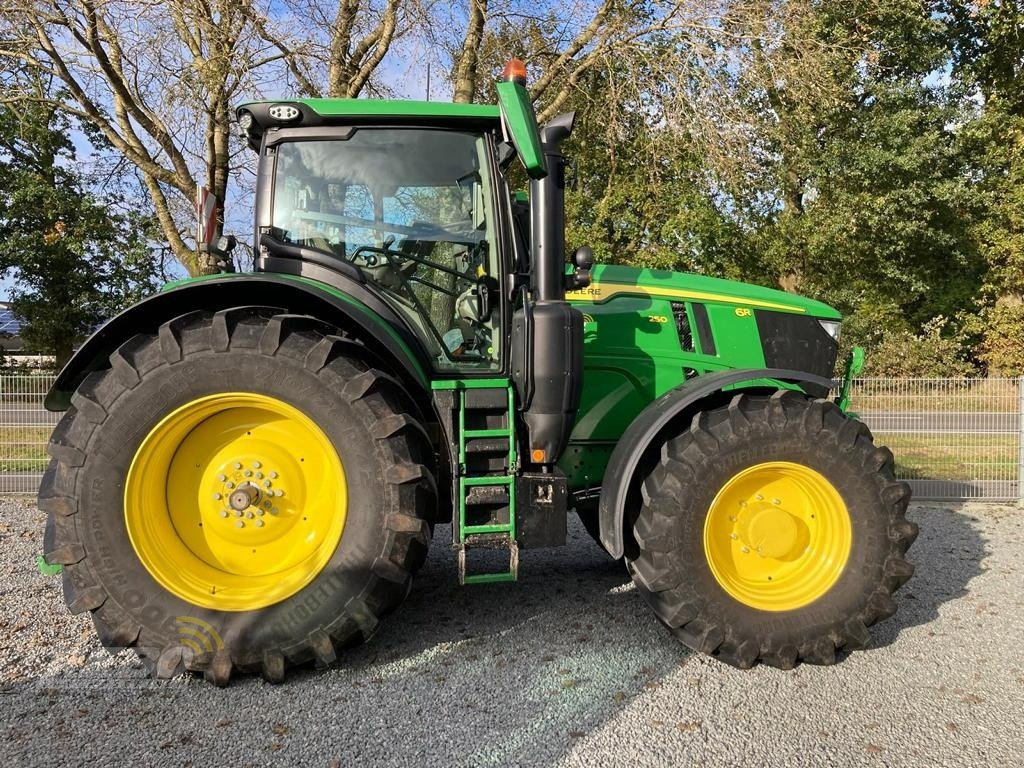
647 332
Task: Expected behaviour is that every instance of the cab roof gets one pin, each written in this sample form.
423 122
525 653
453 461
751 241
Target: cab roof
360 108
312 113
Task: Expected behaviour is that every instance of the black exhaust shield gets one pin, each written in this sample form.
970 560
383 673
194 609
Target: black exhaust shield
547 359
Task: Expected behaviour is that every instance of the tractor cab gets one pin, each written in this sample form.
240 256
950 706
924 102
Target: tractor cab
410 199
411 212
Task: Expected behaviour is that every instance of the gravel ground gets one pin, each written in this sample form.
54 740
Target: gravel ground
566 668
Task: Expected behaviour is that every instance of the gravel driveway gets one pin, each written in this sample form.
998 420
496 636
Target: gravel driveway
566 668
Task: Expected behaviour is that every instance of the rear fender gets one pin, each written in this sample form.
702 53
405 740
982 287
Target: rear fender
360 313
621 485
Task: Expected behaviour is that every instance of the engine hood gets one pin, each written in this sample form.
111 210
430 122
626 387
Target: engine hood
610 280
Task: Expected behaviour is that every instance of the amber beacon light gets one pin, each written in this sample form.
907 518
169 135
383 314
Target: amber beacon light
514 71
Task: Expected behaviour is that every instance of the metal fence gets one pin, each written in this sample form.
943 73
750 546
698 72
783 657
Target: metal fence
25 427
953 438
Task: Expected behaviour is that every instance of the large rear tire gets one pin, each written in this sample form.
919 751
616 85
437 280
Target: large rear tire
772 530
241 491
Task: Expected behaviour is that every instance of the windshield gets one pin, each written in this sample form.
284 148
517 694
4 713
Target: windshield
412 209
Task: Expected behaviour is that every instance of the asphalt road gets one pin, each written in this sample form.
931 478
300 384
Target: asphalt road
566 668
940 421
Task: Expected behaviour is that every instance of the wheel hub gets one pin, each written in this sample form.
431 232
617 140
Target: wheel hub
777 536
249 507
235 501
245 496
768 530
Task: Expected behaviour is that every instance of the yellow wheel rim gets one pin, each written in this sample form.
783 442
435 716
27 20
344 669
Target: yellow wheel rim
235 501
777 536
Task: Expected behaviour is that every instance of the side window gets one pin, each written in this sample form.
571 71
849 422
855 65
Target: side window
411 209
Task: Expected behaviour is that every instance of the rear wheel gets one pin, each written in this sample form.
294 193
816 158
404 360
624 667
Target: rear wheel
772 529
241 491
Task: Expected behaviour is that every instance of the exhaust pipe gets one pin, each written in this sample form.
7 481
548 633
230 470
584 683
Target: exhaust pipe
547 212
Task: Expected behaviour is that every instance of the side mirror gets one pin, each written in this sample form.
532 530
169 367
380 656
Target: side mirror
583 260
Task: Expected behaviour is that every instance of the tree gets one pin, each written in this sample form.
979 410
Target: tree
989 64
158 82
333 49
73 261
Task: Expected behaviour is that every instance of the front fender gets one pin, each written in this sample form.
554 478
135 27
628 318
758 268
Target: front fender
642 434
357 311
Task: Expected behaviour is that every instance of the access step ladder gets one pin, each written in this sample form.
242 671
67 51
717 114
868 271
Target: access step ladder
487 465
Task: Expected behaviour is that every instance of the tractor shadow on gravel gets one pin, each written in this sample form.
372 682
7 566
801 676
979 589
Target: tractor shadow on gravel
947 555
578 587
592 597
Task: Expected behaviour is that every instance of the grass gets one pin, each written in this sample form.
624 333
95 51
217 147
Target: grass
953 457
23 449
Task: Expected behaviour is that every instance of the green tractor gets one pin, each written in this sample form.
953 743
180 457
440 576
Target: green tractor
251 466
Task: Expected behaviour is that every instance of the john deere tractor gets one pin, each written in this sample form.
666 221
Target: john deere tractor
251 466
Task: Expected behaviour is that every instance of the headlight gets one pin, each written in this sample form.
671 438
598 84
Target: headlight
244 123
284 113
831 327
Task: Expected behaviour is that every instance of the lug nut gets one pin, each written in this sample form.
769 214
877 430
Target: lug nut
256 465
259 512
279 492
222 477
249 515
273 475
259 475
223 513
240 524
745 550
238 465
248 473
274 511
259 523
229 486
267 483
238 513
216 497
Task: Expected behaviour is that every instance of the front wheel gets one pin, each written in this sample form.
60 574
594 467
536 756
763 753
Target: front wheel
240 491
772 530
